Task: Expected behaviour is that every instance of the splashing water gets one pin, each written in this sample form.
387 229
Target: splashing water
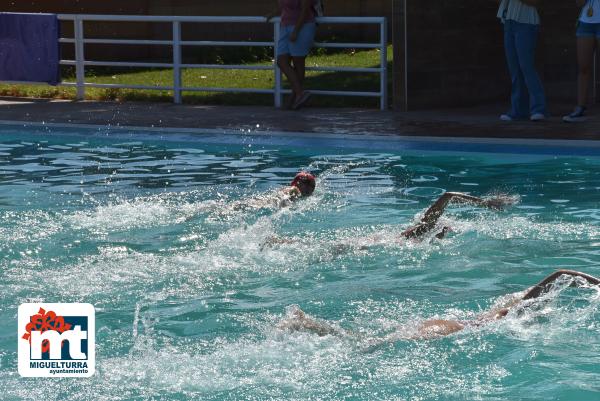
191 270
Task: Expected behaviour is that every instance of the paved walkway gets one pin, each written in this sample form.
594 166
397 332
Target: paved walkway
472 122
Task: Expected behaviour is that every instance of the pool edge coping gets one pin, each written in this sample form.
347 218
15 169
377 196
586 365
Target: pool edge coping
366 136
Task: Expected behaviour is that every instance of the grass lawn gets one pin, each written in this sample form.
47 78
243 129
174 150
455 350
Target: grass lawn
221 78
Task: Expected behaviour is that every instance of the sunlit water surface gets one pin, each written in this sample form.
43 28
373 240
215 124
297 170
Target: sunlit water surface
188 296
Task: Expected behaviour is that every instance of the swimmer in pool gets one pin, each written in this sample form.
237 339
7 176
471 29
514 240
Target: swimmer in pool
302 186
429 220
435 328
432 215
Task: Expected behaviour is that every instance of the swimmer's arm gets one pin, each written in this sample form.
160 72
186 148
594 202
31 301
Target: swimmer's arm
492 203
542 286
286 196
255 202
375 344
274 240
301 322
293 192
437 209
433 214
321 328
430 217
490 316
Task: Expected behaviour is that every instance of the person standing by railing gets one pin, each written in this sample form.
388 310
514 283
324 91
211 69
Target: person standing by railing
521 28
298 28
588 40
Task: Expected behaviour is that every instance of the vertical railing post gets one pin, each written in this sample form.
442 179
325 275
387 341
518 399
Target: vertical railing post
79 57
276 36
383 72
595 91
177 62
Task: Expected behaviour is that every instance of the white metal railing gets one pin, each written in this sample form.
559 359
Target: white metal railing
80 62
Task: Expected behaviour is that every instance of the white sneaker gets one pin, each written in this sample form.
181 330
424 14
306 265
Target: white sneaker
537 117
506 117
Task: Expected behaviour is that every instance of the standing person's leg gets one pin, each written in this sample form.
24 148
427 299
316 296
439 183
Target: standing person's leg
284 63
526 42
518 99
585 61
298 64
299 50
586 42
596 54
300 67
284 60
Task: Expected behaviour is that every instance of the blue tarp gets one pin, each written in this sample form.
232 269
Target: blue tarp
29 48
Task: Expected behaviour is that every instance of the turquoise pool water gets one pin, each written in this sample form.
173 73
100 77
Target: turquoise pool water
187 295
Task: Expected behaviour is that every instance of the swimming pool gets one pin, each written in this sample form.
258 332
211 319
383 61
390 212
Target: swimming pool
187 295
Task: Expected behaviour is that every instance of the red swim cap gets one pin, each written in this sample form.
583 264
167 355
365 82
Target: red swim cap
304 177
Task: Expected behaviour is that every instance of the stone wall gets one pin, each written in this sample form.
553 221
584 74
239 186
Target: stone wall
456 55
558 51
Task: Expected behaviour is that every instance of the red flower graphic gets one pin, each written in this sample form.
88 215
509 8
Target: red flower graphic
44 321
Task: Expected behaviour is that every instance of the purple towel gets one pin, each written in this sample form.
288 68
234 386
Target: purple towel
29 48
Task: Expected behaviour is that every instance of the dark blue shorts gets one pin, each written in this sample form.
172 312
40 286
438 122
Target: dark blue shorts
587 30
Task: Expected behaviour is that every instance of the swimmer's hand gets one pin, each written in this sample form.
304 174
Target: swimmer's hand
295 320
273 240
500 202
443 233
298 321
292 192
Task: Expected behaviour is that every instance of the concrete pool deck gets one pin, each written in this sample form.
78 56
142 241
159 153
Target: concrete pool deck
475 122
